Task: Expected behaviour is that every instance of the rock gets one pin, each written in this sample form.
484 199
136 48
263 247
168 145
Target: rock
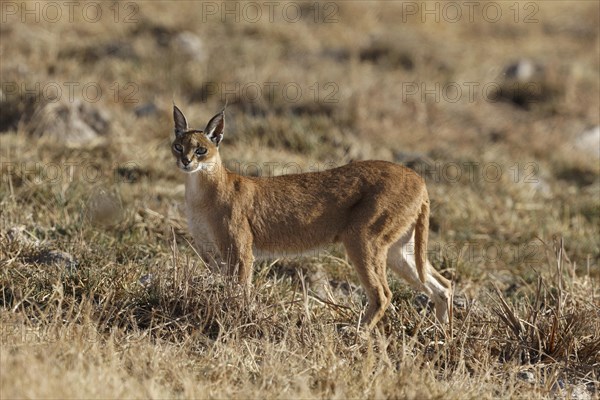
566 390
75 123
95 117
527 85
318 281
523 70
146 280
421 302
526 376
347 290
20 235
460 302
588 142
40 253
55 257
191 45
581 392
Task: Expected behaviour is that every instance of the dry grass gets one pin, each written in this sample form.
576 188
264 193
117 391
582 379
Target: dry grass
103 297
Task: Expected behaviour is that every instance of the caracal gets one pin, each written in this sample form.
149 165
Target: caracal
378 210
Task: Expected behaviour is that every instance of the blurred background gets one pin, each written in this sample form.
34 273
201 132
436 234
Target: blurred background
495 104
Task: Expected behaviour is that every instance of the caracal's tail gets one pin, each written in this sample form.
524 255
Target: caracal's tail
421 235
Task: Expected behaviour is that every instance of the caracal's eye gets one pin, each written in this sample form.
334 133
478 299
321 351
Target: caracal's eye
200 151
177 147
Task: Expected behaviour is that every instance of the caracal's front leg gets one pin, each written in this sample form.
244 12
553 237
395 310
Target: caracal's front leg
236 251
245 260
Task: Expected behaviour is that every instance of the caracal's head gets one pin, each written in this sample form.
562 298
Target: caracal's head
196 150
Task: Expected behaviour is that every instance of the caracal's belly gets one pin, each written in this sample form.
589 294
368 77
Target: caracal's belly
271 254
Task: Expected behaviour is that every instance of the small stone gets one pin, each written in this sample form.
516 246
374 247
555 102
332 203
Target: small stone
522 70
55 257
588 142
526 376
16 234
459 302
421 301
146 280
318 281
190 44
581 392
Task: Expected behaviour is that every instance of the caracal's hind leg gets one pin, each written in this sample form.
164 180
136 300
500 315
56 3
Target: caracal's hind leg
370 265
401 259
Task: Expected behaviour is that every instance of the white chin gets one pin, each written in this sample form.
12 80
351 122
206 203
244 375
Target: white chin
199 167
188 169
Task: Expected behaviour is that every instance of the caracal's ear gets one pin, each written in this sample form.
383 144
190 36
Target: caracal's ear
214 128
181 124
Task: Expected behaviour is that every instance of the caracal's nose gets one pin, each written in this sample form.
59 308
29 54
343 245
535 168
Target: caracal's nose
185 161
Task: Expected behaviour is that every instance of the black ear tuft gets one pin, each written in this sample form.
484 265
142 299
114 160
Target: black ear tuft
181 124
214 128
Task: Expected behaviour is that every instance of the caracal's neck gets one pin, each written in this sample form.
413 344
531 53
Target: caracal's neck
212 178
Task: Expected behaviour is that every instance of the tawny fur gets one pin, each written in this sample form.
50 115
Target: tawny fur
377 209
